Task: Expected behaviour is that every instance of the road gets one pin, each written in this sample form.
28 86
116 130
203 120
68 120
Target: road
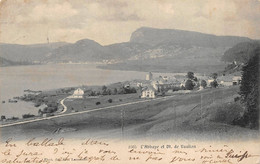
64 106
88 111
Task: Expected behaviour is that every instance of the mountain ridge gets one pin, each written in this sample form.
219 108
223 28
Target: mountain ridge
153 47
154 36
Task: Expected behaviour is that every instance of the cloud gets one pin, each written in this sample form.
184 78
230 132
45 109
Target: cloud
47 12
113 21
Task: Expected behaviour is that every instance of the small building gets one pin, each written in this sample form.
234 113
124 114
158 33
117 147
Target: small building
78 93
182 84
236 80
225 81
149 76
148 92
210 81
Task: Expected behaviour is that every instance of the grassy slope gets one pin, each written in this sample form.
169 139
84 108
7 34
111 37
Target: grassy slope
179 117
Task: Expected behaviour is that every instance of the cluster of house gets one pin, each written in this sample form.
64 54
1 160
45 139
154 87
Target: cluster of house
224 80
157 85
153 86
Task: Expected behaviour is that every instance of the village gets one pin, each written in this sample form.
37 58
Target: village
75 99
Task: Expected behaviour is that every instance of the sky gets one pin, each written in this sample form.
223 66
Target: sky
113 21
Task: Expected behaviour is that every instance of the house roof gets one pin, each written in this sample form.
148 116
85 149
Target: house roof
225 78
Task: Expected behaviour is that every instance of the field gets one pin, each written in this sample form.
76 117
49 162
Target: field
197 115
90 103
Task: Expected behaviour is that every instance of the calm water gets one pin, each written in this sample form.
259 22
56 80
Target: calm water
14 80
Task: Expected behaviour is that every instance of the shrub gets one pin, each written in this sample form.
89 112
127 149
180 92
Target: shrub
3 117
28 115
13 118
189 85
37 105
214 84
175 89
203 83
236 99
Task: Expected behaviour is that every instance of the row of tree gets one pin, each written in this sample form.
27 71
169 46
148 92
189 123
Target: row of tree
249 91
193 82
115 91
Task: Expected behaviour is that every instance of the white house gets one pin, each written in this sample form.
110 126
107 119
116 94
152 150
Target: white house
148 92
78 93
182 84
225 80
236 80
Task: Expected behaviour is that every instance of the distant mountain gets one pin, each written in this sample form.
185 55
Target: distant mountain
149 49
82 51
28 53
177 51
126 50
241 52
153 36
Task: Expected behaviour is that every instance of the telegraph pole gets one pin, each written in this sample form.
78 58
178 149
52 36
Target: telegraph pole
122 122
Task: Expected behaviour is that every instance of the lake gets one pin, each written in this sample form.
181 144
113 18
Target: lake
14 80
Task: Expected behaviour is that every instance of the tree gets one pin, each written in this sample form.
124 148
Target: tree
92 93
109 92
3 117
189 85
203 83
249 91
133 90
214 84
121 90
115 91
214 76
190 75
104 90
39 112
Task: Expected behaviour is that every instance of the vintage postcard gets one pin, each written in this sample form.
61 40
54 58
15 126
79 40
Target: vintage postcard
127 81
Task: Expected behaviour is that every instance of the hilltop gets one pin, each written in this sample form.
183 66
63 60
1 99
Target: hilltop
148 49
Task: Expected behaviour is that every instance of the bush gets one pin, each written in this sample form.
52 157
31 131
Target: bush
28 115
203 83
49 109
3 117
175 89
13 118
110 100
249 90
236 99
37 105
214 84
189 85
98 103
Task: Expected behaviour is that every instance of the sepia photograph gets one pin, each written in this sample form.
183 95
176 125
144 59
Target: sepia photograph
129 74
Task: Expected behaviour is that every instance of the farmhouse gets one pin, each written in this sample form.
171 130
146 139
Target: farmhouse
236 80
148 92
225 81
78 93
